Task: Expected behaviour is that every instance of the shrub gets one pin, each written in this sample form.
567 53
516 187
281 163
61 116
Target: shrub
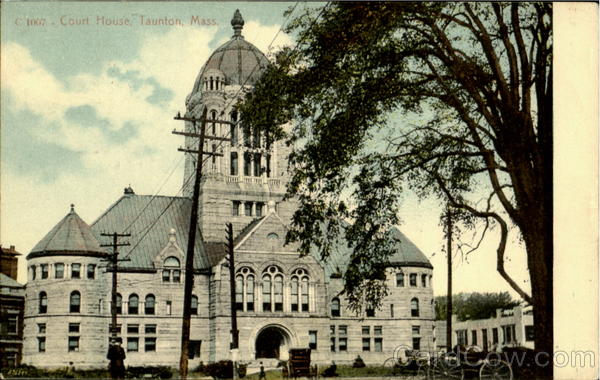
358 362
224 369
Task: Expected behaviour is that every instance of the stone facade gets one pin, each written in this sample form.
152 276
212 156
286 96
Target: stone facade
284 300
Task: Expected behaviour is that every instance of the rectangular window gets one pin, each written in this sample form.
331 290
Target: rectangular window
256 138
133 344
41 344
247 164
378 344
378 330
168 311
194 349
133 329
73 327
366 330
332 348
41 328
529 334
343 344
33 272
416 330
392 310
259 209
474 337
233 156
370 312
75 270
268 165
257 168
461 337
413 279
44 268
73 343
399 279
248 208
12 324
166 275
343 330
91 271
59 270
424 280
150 329
312 340
366 344
235 208
484 339
494 335
416 343
150 344
176 275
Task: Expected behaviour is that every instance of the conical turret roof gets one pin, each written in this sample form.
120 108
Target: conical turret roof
70 236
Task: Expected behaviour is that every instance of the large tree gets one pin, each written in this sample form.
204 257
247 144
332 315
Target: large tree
469 86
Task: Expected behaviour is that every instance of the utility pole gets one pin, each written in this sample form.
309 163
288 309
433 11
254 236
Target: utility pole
449 296
114 261
234 329
189 259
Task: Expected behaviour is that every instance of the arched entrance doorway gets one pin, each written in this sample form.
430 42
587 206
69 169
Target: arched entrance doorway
271 342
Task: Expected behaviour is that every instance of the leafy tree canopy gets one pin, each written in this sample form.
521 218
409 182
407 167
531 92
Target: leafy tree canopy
474 305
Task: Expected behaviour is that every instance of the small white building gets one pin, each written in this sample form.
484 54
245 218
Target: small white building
510 327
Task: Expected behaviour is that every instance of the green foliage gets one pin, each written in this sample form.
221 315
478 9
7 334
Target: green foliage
461 76
474 305
359 362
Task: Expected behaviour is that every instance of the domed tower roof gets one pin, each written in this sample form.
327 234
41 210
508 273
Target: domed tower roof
240 62
70 236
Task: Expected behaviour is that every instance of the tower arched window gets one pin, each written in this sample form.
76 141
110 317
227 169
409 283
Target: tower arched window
272 289
213 156
43 309
299 290
414 307
194 307
133 304
335 307
150 304
119 304
75 302
244 289
211 83
171 270
213 117
234 163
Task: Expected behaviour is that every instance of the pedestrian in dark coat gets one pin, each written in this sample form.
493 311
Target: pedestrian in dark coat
116 355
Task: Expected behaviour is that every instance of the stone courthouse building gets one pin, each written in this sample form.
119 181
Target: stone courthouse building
283 300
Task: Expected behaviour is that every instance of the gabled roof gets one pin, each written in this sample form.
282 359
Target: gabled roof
8 282
70 236
149 220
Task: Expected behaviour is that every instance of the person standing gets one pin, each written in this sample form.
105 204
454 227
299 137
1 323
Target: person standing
262 375
116 355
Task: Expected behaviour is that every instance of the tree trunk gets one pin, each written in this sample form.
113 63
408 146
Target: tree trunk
540 257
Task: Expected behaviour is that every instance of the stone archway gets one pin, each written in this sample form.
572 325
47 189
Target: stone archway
272 342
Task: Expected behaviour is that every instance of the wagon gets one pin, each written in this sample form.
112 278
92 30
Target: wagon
299 364
473 363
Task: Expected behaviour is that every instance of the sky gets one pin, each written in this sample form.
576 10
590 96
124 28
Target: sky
87 110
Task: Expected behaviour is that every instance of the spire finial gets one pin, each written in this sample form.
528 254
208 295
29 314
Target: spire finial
237 22
72 207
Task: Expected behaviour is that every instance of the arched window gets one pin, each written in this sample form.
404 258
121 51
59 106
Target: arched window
133 305
194 307
233 163
171 270
119 304
335 307
211 83
268 165
43 303
150 304
414 307
257 168
75 302
213 117
272 289
244 289
299 290
247 164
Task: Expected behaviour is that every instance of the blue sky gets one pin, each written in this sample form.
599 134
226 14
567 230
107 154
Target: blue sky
87 110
